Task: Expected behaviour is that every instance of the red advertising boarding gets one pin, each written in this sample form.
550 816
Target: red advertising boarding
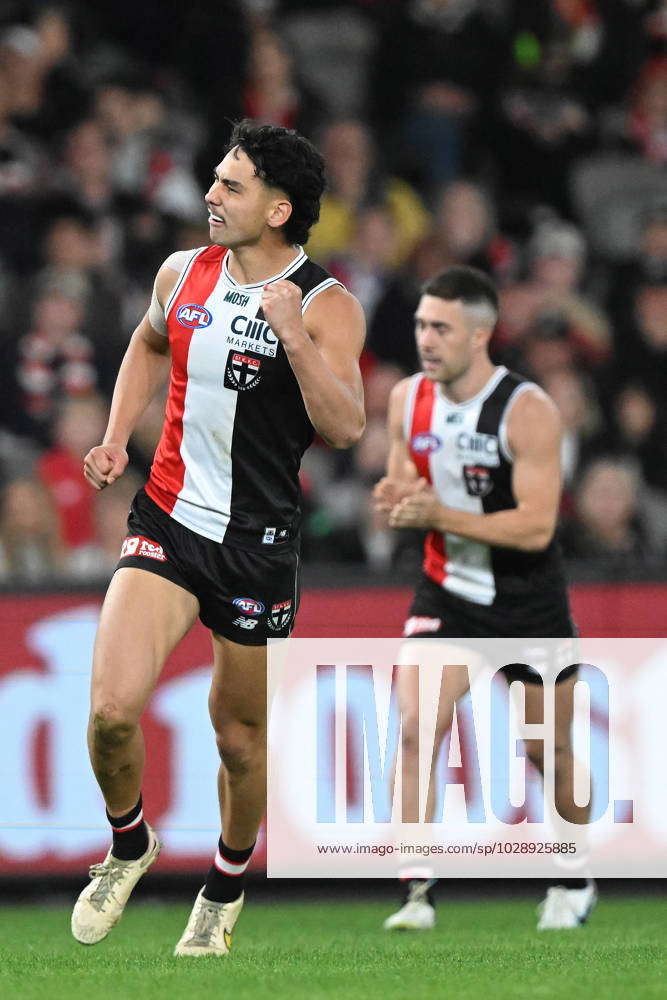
51 811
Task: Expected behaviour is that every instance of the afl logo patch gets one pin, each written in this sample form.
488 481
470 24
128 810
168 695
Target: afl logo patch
249 605
425 443
193 316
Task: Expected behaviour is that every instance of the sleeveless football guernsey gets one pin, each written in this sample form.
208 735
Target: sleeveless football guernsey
235 426
463 451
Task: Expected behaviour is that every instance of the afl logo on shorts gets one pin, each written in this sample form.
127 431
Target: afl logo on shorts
193 316
249 605
425 443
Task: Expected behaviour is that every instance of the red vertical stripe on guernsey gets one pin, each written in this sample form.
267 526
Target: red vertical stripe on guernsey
435 558
168 470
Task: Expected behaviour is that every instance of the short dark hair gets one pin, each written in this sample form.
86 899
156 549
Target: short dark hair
468 284
286 160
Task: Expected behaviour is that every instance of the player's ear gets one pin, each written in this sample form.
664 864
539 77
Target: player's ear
279 212
482 336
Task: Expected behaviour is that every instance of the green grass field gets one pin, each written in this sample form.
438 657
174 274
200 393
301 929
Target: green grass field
292 950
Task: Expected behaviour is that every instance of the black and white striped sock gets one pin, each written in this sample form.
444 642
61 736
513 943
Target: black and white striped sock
130 833
226 877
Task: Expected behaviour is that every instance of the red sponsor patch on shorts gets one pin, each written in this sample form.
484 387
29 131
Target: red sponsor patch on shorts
418 625
137 545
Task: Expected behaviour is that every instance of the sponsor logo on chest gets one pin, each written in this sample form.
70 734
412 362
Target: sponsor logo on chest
473 448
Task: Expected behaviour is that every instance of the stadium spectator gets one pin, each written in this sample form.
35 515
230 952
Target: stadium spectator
273 95
465 221
436 71
640 427
30 549
367 269
51 361
581 420
153 146
608 520
355 183
391 335
553 289
80 423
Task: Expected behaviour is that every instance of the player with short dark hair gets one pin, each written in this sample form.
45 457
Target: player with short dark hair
475 459
261 346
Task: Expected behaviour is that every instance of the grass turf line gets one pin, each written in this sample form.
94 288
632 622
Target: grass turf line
299 950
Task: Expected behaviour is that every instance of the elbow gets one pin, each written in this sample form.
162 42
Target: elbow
539 539
347 437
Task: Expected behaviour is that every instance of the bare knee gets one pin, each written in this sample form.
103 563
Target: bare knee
410 735
239 745
112 727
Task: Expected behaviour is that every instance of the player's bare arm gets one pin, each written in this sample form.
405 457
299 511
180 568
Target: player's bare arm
533 431
144 368
402 476
323 349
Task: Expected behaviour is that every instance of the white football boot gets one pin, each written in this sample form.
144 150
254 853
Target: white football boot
100 906
566 908
209 929
418 911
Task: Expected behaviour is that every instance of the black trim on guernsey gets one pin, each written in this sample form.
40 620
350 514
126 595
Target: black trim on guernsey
271 433
531 591
536 579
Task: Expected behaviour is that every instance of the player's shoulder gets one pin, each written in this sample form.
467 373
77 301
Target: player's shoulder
533 415
317 284
400 393
177 263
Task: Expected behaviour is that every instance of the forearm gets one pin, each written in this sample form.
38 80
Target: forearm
334 411
141 373
513 529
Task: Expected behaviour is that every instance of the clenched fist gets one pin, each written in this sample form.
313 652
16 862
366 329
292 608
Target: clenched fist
281 304
104 464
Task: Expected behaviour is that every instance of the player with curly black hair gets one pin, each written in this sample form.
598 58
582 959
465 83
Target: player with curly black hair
262 346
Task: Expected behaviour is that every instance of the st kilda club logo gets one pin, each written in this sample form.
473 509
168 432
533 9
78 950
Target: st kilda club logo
280 616
242 371
478 480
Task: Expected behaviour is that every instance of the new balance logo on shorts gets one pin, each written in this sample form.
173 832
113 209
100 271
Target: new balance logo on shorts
246 623
137 545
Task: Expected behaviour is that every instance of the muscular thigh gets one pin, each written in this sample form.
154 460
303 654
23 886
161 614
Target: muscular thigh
238 686
143 618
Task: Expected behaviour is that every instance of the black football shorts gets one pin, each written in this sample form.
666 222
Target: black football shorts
435 613
244 596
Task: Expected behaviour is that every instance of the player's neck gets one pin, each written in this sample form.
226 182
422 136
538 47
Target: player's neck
470 384
252 264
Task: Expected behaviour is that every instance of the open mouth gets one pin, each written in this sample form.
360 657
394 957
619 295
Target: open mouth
216 220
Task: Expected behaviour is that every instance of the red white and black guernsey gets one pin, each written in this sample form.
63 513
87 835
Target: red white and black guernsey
463 451
236 425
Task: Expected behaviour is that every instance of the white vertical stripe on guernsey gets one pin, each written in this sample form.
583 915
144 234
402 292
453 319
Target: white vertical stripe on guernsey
230 867
469 567
204 502
179 281
408 413
503 441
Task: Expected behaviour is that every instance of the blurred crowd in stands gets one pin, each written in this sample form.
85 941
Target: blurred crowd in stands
528 139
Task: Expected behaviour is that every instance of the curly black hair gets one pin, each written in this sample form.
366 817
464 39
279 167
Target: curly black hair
286 160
